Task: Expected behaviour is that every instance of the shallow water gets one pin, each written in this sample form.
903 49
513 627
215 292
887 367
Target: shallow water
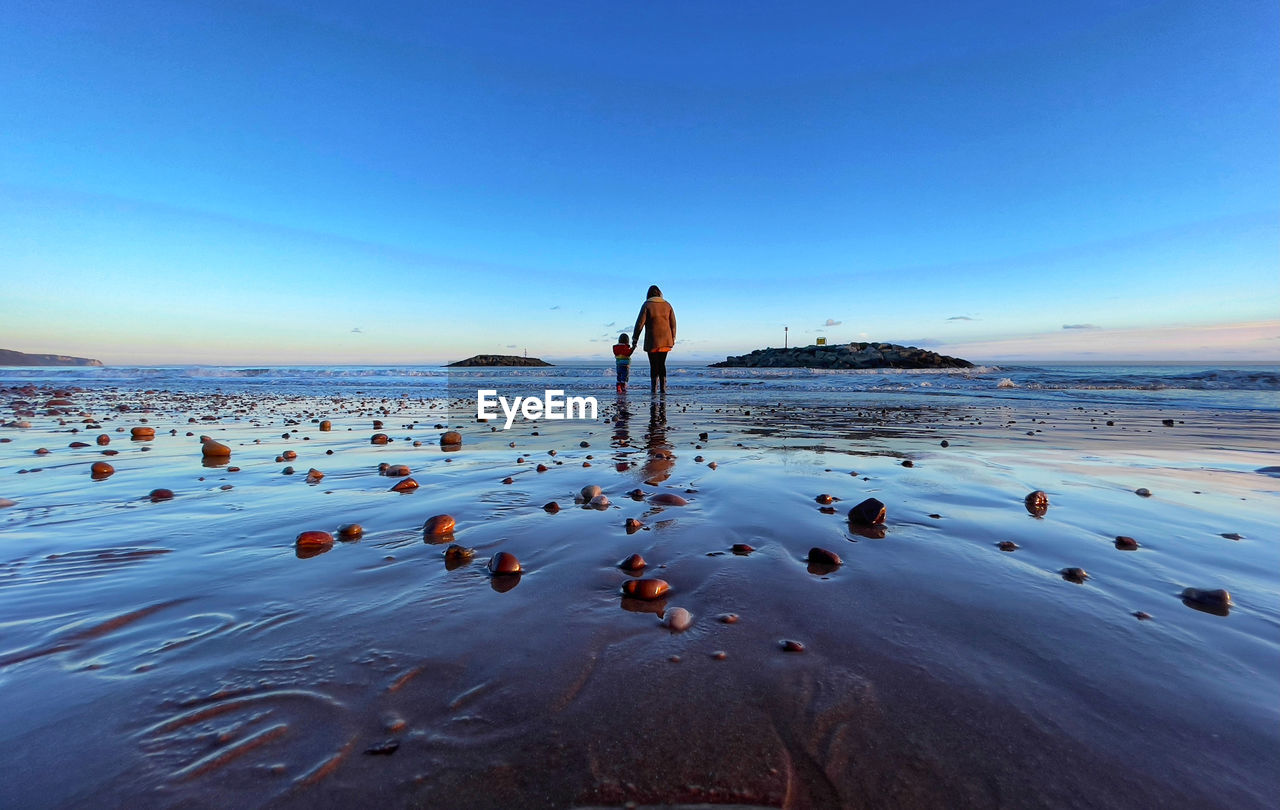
182 652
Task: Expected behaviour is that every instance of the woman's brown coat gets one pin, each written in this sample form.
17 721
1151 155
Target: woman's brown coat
658 320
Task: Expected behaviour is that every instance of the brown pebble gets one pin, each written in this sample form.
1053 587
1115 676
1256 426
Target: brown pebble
791 645
314 475
1217 598
101 469
404 485
439 524
590 491
103 439
551 507
868 513
289 455
503 564
314 539
728 618
326 425
633 563
675 659
668 499
908 463
1141 615
1007 545
142 432
457 553
350 531
632 525
379 438
158 495
396 470
645 588
1076 575
42 451
451 438
719 655
824 498
1142 492
212 449
541 468
822 556
1126 543
1037 503
711 465
741 548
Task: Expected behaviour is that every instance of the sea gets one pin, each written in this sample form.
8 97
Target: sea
1189 386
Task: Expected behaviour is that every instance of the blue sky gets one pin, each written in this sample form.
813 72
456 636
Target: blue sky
324 182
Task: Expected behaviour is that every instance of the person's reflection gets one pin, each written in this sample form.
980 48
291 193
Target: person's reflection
621 440
658 461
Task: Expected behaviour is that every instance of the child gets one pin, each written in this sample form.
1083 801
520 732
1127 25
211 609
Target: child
622 356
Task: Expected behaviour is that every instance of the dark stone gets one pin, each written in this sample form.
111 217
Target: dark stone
868 513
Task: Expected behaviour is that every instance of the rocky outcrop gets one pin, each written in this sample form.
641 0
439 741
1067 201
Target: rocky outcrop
498 360
844 355
12 358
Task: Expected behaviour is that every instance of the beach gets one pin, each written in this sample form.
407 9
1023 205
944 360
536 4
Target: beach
185 651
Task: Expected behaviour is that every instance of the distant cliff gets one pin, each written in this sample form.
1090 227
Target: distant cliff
498 360
844 355
12 358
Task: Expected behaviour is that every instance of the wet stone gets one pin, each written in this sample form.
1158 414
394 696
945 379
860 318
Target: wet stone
825 499
451 438
384 748
100 470
1142 615
551 507
727 618
1037 502
632 525
439 524
1142 492
822 556
677 619
158 495
1007 545
791 645
1126 543
668 499
1076 575
404 485
645 588
870 512
741 549
504 564
313 540
590 491
348 532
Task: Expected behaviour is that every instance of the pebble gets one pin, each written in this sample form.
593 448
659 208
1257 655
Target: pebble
143 432
348 532
599 502
288 455
314 475
632 525
1037 503
824 498
101 469
439 524
590 491
636 494
1126 543
633 563
504 564
158 495
791 645
510 480
1142 492
314 539
1232 536
719 655
326 425
944 443
1216 598
908 463
1076 575
379 438
457 553
677 619
397 470
451 438
212 449
822 556
868 513
551 507
645 588
287 471
5 503
1141 615
384 748
541 468
668 499
1007 545
404 485
727 618
103 439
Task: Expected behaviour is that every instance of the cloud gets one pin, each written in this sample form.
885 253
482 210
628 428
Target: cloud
830 322
512 346
610 324
961 318
557 306
1079 326
357 330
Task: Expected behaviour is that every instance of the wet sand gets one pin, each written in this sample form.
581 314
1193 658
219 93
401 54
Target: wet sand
186 652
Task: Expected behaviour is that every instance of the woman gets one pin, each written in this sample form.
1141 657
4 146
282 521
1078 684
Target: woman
658 322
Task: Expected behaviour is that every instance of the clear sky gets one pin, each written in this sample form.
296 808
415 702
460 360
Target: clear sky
310 181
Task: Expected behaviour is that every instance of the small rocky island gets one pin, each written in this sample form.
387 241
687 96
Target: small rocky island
844 355
497 360
8 357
